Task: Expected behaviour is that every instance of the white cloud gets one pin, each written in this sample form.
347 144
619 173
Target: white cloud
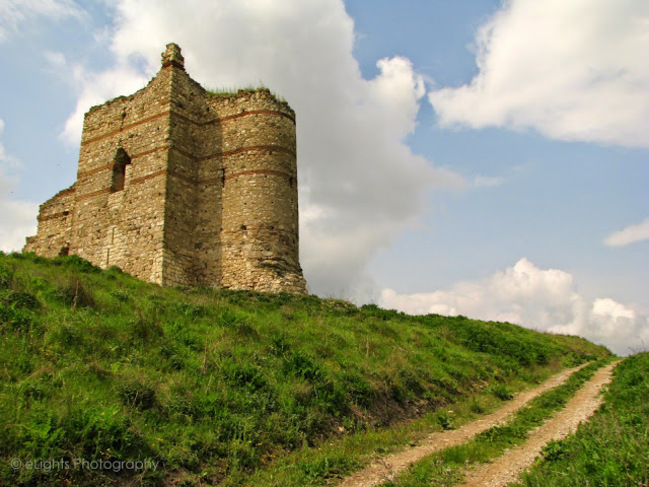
19 222
572 70
629 235
6 161
14 13
480 181
3 155
536 298
95 89
18 217
360 185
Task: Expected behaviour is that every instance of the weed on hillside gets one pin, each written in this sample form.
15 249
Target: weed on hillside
612 449
198 386
447 466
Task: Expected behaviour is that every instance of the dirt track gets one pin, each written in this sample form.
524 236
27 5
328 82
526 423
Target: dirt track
388 467
508 467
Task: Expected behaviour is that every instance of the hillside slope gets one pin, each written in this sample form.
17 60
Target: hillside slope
613 447
210 385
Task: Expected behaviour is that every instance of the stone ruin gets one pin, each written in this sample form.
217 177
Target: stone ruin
183 187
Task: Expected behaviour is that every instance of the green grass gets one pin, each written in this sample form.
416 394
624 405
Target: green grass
612 449
447 466
226 386
228 92
312 466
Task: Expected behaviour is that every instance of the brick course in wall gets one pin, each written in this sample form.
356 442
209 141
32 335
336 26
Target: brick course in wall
180 186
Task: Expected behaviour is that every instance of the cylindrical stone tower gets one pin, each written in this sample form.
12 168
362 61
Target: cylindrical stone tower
259 235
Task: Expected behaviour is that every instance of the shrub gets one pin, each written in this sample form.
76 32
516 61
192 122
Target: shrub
6 277
136 394
300 364
74 293
77 263
501 391
445 420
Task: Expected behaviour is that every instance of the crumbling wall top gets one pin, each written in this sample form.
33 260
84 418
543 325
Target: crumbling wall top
173 57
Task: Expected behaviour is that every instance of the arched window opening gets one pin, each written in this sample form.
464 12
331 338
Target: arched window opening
119 170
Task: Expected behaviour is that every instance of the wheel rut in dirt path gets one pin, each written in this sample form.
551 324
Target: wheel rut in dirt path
388 467
508 467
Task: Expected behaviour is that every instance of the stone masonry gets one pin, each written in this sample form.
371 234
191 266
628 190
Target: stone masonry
179 186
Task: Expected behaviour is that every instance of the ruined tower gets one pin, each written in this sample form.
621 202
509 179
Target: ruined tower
180 186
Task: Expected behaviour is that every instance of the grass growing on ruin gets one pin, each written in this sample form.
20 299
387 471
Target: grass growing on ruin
613 447
447 466
227 92
217 385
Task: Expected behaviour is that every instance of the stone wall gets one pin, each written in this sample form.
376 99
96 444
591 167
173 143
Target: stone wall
54 225
259 222
183 187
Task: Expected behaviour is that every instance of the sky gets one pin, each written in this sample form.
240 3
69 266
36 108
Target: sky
476 157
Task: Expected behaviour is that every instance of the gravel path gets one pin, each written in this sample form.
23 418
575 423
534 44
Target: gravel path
389 466
508 467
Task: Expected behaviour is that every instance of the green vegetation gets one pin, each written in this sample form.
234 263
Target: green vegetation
447 466
613 447
222 386
231 92
313 466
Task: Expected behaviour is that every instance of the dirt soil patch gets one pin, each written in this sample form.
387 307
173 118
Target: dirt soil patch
507 468
388 467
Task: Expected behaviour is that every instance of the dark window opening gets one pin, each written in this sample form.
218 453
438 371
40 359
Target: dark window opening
119 170
223 177
64 252
243 227
291 182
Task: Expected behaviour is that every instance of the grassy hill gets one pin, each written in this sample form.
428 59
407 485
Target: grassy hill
613 447
215 386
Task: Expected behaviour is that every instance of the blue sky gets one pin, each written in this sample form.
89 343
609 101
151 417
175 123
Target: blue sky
482 158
